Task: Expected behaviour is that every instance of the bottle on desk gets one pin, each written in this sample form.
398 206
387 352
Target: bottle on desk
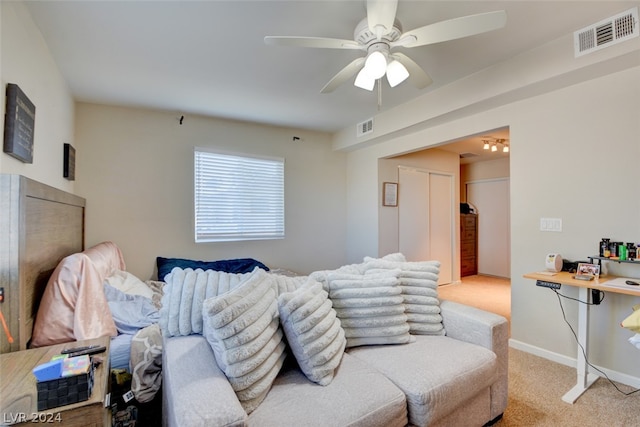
622 252
613 250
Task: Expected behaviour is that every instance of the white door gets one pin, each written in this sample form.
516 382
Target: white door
425 218
491 199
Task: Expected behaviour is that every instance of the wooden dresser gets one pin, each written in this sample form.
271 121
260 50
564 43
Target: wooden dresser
468 244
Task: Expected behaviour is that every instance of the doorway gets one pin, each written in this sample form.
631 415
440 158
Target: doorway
491 199
426 218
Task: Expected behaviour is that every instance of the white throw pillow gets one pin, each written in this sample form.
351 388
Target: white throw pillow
184 294
243 328
129 284
370 307
313 331
419 286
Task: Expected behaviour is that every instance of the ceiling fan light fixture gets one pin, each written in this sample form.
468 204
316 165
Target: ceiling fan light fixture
364 80
396 73
380 32
376 65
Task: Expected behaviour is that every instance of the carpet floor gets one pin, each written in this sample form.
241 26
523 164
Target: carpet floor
488 293
536 385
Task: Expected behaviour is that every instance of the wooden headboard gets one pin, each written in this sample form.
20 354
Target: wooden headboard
40 225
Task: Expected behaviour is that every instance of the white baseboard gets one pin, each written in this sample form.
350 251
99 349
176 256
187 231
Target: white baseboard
572 362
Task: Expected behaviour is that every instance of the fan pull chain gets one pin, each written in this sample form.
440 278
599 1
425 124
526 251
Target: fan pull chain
379 94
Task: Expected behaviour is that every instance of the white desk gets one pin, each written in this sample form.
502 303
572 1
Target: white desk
585 379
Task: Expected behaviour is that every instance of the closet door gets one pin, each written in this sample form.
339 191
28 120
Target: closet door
425 218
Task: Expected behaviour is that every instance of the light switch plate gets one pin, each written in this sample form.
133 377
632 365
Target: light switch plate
551 224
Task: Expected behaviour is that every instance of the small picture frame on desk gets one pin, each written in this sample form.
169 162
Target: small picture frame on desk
588 269
390 194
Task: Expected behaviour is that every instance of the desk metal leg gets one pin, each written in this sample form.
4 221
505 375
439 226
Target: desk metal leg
585 379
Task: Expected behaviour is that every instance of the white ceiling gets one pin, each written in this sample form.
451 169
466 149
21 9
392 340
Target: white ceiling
209 57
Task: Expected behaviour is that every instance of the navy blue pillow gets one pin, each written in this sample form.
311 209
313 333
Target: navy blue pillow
238 265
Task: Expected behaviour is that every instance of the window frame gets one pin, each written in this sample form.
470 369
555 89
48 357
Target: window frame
241 216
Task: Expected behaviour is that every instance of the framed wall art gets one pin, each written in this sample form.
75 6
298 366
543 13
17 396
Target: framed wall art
389 194
19 122
69 162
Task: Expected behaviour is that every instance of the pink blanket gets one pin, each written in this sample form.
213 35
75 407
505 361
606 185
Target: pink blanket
74 306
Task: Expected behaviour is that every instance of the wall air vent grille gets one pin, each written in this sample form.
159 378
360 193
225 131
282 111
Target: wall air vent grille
364 128
607 32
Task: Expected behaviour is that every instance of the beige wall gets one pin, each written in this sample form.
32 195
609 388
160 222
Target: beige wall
136 167
569 120
26 61
432 160
479 171
558 153
136 171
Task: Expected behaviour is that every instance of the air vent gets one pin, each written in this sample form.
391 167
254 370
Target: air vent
468 155
607 32
364 127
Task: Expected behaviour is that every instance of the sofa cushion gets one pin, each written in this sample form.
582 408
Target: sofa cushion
313 331
370 307
436 373
244 331
358 396
190 380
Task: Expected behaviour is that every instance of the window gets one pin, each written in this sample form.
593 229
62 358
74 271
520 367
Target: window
238 197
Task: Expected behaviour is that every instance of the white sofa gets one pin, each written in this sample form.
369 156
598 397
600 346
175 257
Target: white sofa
455 380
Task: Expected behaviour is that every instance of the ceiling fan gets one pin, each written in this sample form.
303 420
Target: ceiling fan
379 33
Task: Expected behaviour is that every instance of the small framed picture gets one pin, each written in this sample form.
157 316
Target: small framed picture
588 269
19 124
69 162
390 194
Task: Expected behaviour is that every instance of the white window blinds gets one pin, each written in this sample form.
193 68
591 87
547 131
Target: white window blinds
238 197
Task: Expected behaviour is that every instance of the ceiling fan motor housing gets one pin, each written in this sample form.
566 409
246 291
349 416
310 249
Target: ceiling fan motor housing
367 38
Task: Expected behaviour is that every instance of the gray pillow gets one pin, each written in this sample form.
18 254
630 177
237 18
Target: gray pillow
370 307
243 328
184 294
419 287
313 331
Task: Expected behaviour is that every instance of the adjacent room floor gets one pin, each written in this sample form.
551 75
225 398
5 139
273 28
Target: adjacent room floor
486 292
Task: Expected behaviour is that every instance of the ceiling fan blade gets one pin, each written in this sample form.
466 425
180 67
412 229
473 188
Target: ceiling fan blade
380 16
453 29
316 42
417 76
343 75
